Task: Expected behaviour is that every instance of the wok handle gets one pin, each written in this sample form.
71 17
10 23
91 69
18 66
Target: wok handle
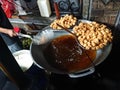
25 35
81 74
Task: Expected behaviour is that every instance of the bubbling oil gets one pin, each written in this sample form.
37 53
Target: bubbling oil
64 53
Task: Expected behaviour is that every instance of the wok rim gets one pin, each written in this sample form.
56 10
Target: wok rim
96 62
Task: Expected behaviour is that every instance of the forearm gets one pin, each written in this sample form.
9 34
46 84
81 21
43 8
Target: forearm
9 32
3 30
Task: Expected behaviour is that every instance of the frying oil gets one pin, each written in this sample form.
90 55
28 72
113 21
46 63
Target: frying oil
64 54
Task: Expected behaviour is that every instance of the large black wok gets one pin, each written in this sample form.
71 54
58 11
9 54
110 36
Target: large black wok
37 52
40 59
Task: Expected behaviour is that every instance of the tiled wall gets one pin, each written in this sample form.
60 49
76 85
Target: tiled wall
105 13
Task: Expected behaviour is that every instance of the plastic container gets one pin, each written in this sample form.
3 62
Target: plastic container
24 59
44 7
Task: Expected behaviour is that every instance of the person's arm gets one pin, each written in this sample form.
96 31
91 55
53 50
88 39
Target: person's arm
9 32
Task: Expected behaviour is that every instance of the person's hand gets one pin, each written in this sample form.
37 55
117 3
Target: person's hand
11 33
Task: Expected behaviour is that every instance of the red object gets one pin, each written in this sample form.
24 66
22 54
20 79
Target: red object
16 29
8 7
56 10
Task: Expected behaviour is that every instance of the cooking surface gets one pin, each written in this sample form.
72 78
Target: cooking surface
106 76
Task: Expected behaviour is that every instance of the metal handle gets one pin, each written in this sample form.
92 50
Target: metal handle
85 73
25 35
